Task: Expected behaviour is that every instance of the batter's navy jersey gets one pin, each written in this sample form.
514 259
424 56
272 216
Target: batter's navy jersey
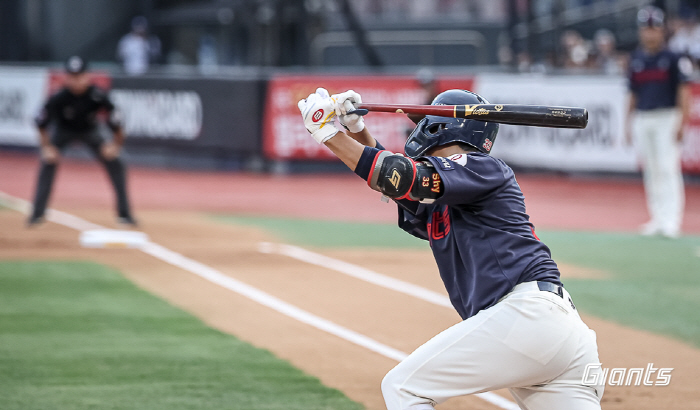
481 237
654 79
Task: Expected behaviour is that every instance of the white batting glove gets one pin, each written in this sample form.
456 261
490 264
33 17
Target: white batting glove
318 112
346 102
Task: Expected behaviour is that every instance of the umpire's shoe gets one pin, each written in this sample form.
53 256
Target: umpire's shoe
34 221
127 220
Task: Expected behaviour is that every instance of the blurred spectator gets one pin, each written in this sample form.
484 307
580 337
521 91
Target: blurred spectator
658 109
685 37
429 87
428 84
605 57
524 62
138 49
576 50
493 10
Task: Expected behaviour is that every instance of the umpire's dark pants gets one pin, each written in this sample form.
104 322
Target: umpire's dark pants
115 169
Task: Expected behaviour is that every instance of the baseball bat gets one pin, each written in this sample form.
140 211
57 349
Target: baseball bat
516 114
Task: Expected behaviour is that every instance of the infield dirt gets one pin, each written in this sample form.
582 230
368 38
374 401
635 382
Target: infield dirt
395 319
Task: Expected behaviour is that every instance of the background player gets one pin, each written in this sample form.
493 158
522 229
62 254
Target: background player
520 328
72 115
658 105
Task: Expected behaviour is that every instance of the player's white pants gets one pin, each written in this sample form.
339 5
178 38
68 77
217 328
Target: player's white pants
655 137
532 342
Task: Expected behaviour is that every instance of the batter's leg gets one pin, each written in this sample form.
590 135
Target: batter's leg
567 391
492 350
47 172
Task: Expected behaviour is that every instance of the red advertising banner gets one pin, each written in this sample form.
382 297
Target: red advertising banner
691 137
284 135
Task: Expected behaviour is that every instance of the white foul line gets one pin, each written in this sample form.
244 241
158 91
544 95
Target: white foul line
61 218
357 272
268 300
227 282
378 279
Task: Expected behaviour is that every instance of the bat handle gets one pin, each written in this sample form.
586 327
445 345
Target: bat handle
359 111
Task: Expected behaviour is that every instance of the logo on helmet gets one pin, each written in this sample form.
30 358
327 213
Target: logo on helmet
317 115
487 144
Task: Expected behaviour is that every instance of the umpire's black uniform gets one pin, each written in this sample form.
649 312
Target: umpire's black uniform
72 117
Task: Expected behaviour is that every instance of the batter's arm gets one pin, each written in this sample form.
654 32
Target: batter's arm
363 137
348 149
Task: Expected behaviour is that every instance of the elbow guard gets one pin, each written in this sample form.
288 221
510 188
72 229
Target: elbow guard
399 178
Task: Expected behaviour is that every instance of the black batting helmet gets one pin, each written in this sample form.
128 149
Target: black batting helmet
433 131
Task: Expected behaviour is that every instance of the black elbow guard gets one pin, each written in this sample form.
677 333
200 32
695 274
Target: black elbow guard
399 177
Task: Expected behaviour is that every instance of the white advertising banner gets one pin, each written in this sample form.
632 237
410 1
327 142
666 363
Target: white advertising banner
599 147
160 113
22 93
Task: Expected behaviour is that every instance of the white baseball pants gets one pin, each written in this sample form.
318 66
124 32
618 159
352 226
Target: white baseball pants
532 342
655 138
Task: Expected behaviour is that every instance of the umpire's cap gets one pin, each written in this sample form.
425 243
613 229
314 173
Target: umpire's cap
650 16
76 65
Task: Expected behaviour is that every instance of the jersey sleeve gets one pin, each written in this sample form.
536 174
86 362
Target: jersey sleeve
471 183
413 218
101 97
682 69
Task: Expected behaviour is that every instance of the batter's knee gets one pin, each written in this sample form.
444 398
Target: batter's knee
398 395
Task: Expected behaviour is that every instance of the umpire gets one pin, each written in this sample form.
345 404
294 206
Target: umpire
71 115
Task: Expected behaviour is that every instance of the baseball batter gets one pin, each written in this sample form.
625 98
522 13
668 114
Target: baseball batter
520 329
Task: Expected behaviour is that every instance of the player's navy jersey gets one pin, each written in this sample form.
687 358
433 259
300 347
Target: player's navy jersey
481 237
654 79
75 113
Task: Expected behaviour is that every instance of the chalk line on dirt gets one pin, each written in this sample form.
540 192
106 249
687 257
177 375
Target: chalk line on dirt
214 276
356 272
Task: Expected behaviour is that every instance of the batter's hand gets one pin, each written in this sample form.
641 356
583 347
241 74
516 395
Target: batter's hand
346 102
50 154
110 151
318 112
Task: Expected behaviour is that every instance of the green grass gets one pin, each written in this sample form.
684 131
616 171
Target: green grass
653 283
77 335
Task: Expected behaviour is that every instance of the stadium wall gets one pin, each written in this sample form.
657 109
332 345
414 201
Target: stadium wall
216 122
